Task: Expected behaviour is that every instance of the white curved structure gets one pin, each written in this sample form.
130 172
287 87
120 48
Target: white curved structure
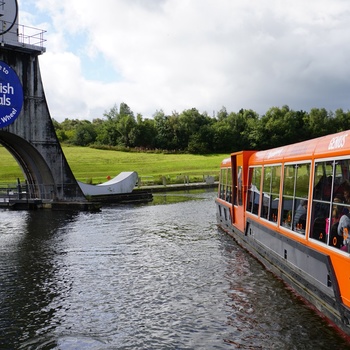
122 183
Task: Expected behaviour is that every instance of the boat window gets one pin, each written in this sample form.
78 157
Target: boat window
239 186
271 190
225 188
223 180
321 202
229 186
254 179
331 200
295 196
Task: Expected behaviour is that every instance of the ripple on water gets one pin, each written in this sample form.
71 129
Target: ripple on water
145 277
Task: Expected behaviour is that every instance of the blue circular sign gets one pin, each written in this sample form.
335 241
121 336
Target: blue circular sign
11 95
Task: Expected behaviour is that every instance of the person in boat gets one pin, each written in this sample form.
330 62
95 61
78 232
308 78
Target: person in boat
337 209
333 223
346 194
343 230
300 214
323 188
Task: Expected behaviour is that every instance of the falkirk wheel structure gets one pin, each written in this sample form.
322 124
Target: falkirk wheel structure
26 128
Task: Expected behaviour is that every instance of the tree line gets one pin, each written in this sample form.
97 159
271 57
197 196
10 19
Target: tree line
199 133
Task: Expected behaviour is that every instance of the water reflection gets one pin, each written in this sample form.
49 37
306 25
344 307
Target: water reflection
29 261
153 276
178 196
264 312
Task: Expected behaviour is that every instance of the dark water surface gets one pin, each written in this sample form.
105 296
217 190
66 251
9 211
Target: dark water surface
153 276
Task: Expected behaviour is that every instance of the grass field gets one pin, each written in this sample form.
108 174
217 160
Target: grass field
93 165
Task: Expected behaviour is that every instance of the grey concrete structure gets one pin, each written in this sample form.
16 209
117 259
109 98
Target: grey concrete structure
28 134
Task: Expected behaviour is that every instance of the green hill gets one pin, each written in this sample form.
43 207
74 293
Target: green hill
94 165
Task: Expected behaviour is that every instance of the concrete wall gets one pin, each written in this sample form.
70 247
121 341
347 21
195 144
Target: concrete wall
31 138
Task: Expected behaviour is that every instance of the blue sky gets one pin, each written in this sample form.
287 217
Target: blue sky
94 67
179 54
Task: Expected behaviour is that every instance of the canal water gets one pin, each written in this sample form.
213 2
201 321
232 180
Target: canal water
152 276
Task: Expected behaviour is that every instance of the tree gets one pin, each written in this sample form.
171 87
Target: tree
341 121
144 133
85 134
234 132
222 137
196 132
61 135
118 127
201 142
124 110
107 133
222 114
112 114
273 127
125 126
164 125
189 123
251 129
317 123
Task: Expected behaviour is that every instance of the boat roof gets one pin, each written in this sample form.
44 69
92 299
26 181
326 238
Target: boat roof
333 145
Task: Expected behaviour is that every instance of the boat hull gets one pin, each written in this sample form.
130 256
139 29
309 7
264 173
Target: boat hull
307 271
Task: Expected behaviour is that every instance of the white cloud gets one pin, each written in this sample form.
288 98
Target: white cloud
178 54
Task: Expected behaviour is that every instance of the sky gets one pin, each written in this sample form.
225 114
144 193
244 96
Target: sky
173 55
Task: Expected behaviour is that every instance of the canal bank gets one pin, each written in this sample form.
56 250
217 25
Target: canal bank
177 187
142 194
37 204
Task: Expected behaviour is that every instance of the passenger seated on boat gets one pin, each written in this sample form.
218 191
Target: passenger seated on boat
323 188
334 239
300 215
332 224
346 196
337 213
346 192
319 229
343 230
